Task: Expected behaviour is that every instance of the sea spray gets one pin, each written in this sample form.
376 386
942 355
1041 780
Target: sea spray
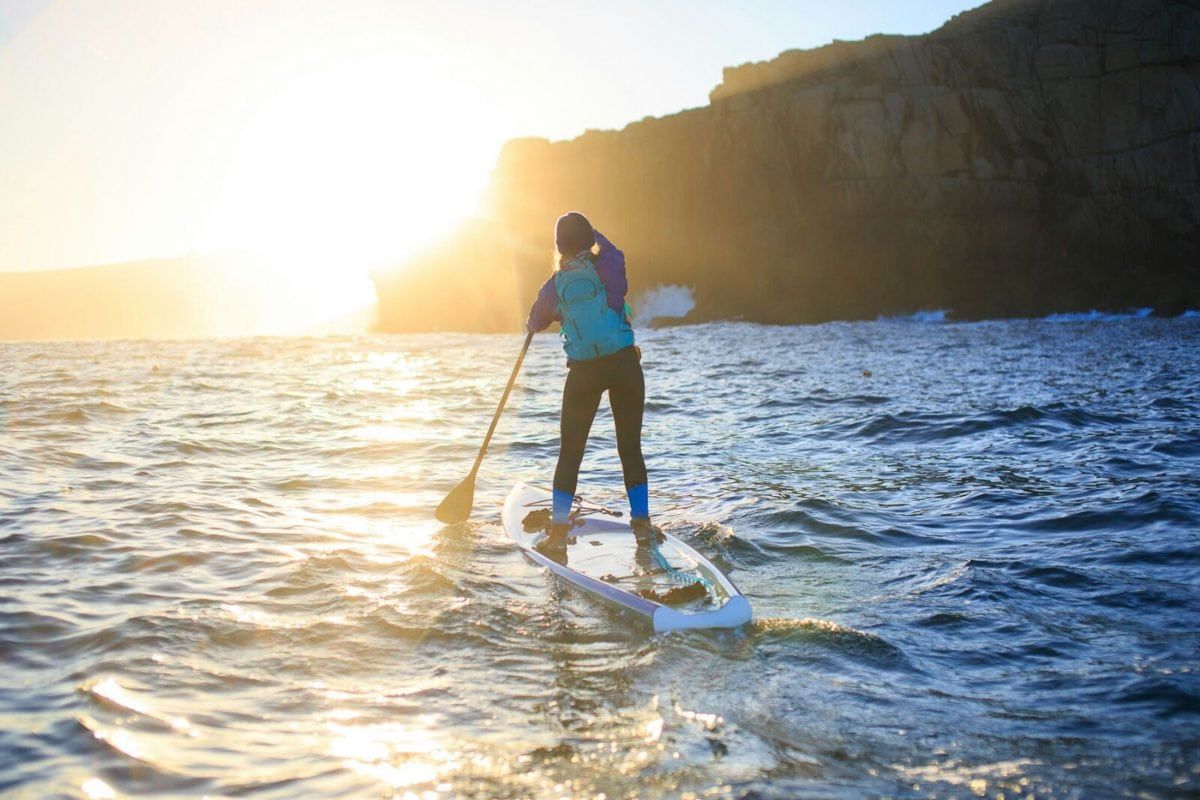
1100 316
927 315
662 302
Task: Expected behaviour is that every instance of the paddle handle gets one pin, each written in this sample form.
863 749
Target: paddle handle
503 399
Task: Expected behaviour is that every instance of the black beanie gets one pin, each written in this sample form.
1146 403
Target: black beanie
573 234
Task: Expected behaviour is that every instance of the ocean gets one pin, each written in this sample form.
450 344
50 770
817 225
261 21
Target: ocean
972 551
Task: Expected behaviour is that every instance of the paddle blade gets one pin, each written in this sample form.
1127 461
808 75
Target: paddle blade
457 505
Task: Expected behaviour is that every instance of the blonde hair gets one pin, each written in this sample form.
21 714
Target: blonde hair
558 257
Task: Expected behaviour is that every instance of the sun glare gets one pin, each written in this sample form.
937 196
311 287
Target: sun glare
354 165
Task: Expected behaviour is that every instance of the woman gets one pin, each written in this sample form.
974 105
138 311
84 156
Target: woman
586 294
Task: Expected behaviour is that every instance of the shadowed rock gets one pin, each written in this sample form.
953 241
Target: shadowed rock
1029 156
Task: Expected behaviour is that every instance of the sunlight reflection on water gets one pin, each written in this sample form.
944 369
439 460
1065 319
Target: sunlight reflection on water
222 575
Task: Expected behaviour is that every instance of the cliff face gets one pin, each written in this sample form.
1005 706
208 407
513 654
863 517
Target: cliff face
1029 156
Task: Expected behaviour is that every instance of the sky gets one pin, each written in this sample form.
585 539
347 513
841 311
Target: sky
352 131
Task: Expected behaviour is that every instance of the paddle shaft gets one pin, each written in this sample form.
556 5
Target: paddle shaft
503 399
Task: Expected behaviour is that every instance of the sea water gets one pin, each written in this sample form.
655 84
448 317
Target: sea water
972 551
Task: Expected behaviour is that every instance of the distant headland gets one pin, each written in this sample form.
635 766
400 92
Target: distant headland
1028 157
222 294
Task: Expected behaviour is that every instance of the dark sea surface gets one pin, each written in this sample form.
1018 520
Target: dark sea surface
973 552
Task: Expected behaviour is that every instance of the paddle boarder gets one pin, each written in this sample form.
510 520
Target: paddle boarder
586 294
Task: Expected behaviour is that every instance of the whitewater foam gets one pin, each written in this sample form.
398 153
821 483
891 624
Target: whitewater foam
1100 316
667 301
930 315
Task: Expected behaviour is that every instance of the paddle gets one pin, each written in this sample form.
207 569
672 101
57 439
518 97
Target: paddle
457 505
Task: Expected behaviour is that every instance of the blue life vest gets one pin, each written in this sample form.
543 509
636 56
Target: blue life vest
590 328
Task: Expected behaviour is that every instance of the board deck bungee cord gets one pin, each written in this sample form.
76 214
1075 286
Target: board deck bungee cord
603 559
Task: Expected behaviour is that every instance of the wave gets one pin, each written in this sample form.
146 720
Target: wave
1093 315
830 522
839 641
1099 316
928 316
916 426
666 301
281 574
1162 695
824 398
1136 512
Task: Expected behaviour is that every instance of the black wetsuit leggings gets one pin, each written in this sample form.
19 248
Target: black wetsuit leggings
620 374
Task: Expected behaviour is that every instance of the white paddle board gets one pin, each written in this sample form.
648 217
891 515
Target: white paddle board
603 559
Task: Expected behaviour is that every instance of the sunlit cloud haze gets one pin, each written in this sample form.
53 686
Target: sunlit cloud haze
335 135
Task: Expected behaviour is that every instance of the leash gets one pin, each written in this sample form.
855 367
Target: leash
674 574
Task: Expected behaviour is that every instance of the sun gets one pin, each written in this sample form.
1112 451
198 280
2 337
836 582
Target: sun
351 165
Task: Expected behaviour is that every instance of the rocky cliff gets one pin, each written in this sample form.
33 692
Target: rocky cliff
1029 156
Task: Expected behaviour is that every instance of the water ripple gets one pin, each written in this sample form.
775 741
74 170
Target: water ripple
971 547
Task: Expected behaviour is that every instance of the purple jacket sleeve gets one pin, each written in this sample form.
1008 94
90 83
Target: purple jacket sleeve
545 308
610 267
